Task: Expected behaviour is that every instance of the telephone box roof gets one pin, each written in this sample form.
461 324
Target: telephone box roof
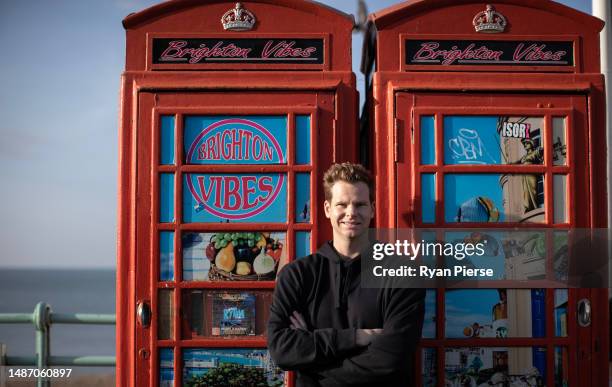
160 10
410 8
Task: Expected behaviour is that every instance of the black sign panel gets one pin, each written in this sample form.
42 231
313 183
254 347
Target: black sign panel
191 51
488 53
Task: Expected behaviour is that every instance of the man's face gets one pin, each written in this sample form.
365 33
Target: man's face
349 209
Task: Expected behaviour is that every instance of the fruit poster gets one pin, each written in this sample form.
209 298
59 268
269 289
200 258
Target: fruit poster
232 255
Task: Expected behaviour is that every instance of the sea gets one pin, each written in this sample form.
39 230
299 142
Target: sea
66 291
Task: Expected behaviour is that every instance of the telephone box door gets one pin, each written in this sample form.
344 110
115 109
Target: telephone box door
233 198
500 161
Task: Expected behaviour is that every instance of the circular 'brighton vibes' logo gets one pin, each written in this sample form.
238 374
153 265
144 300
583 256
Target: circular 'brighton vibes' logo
239 195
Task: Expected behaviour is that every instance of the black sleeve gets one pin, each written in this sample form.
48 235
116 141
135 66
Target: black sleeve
294 349
389 352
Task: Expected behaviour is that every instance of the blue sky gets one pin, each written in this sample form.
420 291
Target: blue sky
60 70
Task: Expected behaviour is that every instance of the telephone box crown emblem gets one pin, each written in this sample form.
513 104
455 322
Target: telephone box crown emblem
489 21
238 19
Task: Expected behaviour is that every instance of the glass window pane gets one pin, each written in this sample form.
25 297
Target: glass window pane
302 197
493 140
428 197
166 367
212 313
561 312
221 256
560 198
496 366
559 141
166 256
229 366
167 134
302 244
235 139
302 139
561 254
166 197
492 197
235 197
428 370
562 364
165 311
489 313
428 143
429 323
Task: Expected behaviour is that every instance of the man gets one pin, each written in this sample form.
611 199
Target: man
322 323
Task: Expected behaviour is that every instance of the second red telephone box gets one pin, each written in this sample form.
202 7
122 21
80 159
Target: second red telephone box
492 116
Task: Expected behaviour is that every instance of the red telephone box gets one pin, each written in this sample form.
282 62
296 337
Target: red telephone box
493 116
230 114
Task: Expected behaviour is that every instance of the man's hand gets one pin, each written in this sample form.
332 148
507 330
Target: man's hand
297 321
363 337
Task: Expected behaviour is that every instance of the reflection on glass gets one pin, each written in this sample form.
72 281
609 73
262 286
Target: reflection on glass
302 244
166 156
561 312
302 197
166 367
429 323
524 254
560 198
230 367
165 312
302 139
166 197
561 255
561 367
428 142
559 142
428 197
428 369
495 313
166 256
235 197
497 366
493 140
235 139
491 197
249 255
211 313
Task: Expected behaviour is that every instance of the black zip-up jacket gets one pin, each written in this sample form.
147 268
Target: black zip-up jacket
326 289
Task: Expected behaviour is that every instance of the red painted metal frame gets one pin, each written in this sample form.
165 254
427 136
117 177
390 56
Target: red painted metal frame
395 91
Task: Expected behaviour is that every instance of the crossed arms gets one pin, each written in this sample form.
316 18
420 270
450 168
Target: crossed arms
345 355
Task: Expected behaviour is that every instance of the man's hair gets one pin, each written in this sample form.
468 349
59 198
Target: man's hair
350 173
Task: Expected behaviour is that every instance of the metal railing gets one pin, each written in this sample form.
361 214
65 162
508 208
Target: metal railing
42 318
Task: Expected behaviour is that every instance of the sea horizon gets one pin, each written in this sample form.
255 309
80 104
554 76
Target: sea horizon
66 290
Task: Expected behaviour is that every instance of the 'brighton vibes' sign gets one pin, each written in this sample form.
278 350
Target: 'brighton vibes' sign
190 51
488 52
239 197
